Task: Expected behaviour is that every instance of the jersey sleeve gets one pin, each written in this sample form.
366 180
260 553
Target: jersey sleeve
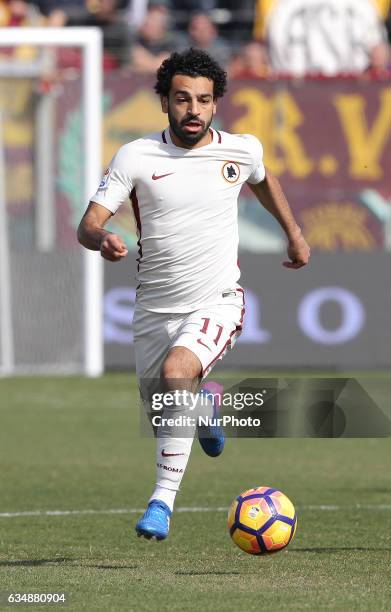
117 182
258 172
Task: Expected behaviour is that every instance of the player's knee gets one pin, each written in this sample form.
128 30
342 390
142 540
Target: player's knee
180 370
172 368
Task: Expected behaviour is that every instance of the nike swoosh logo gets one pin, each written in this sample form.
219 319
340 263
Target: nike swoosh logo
164 454
155 177
203 344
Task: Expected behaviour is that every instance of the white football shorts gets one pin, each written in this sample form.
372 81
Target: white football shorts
208 333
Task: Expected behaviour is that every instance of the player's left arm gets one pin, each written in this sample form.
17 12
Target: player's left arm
269 193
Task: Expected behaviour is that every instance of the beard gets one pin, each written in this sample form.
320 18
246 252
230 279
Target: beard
185 137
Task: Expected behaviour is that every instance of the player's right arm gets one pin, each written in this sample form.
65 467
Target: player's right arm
92 235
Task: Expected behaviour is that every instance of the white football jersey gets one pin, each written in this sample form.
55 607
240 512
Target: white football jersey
185 206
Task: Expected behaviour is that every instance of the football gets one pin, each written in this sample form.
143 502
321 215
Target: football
262 521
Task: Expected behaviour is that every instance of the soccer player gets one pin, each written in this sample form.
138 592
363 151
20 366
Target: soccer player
183 185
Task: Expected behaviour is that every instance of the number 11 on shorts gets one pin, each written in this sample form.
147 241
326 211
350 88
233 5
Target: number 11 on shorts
205 326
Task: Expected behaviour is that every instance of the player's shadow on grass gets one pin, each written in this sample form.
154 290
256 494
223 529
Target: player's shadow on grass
33 562
331 549
111 567
206 573
39 562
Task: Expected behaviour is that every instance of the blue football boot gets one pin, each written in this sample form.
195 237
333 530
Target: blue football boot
155 522
211 437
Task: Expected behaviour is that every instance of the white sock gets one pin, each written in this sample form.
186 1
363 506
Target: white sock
172 452
163 494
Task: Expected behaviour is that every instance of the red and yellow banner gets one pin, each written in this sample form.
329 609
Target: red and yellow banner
328 141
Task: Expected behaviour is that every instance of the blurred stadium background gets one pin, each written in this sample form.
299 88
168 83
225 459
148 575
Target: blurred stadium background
324 117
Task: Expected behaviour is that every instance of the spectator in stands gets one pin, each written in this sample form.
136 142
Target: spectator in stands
105 14
193 6
234 19
15 13
250 63
70 9
135 13
326 37
202 34
181 9
154 41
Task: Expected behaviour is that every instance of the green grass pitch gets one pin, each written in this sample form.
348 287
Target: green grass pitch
73 444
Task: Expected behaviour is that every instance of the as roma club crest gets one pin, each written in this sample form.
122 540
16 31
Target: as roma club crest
230 171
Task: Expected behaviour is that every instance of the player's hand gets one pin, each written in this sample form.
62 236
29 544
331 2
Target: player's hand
298 253
113 247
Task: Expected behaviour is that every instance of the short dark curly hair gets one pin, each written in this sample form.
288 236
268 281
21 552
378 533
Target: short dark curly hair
193 63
